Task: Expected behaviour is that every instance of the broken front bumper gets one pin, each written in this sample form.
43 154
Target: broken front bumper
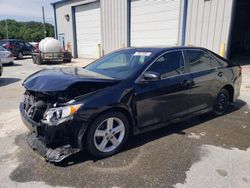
42 139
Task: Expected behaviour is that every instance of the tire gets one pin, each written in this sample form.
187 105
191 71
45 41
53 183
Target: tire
34 59
67 60
100 141
38 61
20 55
221 103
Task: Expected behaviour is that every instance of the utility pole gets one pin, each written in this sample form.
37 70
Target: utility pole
6 27
44 30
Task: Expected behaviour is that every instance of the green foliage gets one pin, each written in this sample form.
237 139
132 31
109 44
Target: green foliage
29 31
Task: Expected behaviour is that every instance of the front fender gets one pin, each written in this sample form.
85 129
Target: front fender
81 134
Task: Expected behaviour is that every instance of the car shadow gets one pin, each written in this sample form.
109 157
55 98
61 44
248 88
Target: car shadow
11 65
24 58
142 139
7 81
54 62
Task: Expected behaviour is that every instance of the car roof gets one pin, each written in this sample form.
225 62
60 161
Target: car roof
166 48
11 40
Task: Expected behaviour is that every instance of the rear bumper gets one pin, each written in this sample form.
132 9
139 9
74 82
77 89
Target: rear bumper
50 142
7 60
237 86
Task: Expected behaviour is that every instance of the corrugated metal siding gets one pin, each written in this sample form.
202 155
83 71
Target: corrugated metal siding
64 26
208 23
114 20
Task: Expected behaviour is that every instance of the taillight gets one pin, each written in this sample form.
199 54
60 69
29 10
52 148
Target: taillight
8 46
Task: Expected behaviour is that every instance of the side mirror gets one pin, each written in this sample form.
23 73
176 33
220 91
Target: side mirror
151 76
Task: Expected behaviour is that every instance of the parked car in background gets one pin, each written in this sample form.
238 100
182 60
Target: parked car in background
19 48
129 91
6 56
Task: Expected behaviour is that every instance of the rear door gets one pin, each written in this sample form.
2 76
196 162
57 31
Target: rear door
167 98
203 75
21 46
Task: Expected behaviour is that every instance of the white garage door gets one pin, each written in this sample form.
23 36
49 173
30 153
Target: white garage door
154 22
88 29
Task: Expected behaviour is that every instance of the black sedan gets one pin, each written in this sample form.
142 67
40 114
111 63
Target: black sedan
126 92
18 48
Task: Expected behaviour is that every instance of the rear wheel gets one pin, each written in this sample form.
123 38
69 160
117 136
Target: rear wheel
221 103
107 134
20 55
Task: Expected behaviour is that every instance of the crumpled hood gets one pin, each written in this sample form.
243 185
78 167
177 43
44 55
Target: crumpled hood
60 79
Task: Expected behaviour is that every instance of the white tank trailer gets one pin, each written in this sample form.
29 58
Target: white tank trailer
51 50
50 44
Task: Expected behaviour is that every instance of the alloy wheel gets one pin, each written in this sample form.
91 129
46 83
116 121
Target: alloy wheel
109 134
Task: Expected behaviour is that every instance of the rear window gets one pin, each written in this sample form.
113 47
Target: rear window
222 60
3 42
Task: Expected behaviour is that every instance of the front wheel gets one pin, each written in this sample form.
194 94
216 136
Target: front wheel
107 134
221 103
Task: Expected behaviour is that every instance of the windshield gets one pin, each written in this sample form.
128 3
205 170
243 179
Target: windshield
121 64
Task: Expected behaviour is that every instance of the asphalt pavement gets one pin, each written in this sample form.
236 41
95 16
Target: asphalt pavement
200 152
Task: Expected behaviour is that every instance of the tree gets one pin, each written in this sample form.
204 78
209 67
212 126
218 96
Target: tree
29 31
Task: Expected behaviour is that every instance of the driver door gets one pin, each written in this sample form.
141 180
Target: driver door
166 98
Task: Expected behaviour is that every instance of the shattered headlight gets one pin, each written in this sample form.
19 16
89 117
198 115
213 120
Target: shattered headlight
56 116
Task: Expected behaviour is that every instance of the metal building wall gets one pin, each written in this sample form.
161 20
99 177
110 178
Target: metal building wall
64 26
114 22
114 18
208 23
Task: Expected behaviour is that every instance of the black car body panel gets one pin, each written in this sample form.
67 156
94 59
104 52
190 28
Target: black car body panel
146 104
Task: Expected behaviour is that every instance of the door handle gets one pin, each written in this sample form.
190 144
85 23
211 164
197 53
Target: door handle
220 74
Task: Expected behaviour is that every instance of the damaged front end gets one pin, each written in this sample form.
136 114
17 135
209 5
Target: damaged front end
50 109
53 133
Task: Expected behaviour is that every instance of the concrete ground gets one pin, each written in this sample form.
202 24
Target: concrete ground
201 152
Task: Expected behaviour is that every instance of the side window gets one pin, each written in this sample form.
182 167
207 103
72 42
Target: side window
215 63
170 64
21 44
28 44
198 60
